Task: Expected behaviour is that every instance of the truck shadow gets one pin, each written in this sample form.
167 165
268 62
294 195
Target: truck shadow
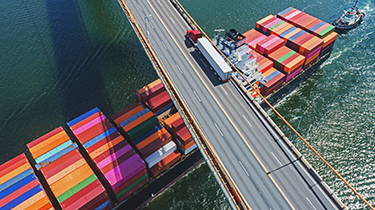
206 68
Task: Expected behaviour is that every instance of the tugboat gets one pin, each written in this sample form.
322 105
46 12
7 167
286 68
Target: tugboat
349 20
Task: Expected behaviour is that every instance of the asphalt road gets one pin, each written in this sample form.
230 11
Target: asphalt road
231 123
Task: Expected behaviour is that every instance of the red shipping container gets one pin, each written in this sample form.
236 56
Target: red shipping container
158 102
117 161
86 120
147 87
113 149
12 164
294 19
83 196
152 92
273 84
155 145
130 181
184 136
61 163
96 201
111 138
94 131
44 137
269 17
165 163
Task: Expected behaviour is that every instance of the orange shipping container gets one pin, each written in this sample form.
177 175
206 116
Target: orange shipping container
187 146
330 38
172 118
49 144
14 173
106 147
71 180
138 121
151 138
127 115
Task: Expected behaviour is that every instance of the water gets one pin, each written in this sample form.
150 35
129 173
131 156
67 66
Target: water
60 59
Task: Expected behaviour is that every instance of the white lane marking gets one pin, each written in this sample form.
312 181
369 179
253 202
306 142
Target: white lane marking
276 158
203 63
247 120
218 129
196 96
152 26
179 68
140 7
224 90
310 203
172 20
164 45
244 168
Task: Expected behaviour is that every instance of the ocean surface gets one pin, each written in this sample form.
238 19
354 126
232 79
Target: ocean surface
59 59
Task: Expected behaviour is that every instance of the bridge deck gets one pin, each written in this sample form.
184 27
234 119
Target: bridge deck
264 169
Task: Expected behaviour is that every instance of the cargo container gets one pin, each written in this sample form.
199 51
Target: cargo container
144 89
66 171
252 37
165 163
158 102
269 45
20 188
113 156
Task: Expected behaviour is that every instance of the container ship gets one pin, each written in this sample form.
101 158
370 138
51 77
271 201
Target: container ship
276 57
127 159
102 163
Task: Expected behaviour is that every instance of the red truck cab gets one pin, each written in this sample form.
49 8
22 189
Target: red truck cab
194 35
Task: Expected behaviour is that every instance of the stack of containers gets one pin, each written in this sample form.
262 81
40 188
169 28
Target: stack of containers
177 128
307 45
19 186
287 61
252 37
121 166
273 79
267 24
289 33
263 62
328 42
311 24
155 97
70 178
277 31
155 144
269 45
135 120
302 20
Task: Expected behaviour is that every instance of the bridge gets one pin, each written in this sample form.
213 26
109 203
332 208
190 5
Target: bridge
254 163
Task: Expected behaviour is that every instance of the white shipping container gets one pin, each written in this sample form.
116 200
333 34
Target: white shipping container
160 154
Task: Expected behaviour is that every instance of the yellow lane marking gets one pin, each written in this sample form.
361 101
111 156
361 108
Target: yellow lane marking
243 139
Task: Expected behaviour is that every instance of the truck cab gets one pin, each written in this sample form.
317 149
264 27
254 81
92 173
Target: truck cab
193 35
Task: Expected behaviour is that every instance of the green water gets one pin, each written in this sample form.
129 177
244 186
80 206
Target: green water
61 59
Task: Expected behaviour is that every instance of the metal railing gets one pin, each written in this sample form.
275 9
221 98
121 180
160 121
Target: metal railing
195 25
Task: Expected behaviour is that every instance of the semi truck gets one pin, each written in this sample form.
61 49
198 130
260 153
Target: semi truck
221 69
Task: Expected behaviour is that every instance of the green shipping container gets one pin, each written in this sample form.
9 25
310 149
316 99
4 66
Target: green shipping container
143 127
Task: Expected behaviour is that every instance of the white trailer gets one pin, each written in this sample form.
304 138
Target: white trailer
213 57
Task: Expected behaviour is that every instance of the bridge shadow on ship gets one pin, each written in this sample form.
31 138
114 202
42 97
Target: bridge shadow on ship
205 66
79 80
